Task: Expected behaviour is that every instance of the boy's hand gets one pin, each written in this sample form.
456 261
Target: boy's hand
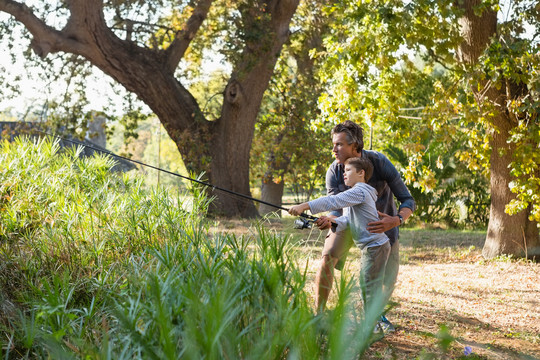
324 222
298 209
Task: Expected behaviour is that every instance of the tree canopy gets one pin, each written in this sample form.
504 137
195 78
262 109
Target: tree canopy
141 45
476 86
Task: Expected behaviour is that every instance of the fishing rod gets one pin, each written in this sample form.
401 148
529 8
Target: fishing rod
305 222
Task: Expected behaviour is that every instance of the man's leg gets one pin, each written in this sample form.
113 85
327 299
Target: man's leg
336 247
324 280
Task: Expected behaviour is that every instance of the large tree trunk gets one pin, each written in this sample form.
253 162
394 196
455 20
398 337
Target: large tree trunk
511 235
233 132
219 148
507 234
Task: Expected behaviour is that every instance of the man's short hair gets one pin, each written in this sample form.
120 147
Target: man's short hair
354 133
361 163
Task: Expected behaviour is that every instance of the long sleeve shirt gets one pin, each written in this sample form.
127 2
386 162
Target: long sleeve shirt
385 179
358 204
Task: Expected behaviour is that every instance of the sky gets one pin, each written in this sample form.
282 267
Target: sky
98 94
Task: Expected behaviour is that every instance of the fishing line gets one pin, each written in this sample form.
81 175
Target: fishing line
301 224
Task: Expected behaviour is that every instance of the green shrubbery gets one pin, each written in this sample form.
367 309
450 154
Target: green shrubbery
94 265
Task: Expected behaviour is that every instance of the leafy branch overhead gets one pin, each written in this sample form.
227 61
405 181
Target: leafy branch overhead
455 83
141 47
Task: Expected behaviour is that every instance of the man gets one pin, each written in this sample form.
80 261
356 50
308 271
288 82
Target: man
348 141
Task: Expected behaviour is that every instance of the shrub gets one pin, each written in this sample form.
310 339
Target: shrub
96 266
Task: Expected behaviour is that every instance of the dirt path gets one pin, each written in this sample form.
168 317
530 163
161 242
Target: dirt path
492 308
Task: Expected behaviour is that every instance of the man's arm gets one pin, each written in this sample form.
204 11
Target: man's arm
387 222
401 192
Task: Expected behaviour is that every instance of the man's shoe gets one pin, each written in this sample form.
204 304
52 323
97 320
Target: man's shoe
385 325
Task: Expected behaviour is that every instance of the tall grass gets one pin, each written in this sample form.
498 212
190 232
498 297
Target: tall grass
94 266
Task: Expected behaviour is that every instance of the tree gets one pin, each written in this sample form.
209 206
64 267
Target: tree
507 233
486 98
286 150
140 46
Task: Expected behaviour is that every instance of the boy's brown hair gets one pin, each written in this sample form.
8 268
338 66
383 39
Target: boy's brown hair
361 164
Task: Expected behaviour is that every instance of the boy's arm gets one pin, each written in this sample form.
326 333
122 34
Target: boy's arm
351 197
347 198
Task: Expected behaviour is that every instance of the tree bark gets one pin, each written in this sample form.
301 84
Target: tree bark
220 148
233 132
272 184
506 234
271 192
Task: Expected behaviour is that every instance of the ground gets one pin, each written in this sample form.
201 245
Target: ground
490 306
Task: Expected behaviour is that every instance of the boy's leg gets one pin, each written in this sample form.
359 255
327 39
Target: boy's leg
391 272
374 261
389 283
336 248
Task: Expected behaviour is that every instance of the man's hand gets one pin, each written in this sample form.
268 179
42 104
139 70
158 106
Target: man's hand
385 223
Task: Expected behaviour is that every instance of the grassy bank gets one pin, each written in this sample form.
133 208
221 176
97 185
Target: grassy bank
93 265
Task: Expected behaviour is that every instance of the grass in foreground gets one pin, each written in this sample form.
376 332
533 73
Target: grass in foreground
94 266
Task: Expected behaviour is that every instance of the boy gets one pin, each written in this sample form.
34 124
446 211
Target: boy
359 209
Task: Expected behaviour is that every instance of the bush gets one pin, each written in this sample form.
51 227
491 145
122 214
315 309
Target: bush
95 266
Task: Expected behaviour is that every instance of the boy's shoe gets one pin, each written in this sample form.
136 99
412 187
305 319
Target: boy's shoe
385 325
378 334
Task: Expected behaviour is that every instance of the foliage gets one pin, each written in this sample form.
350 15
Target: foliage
94 266
457 197
157 50
394 65
286 149
521 63
153 147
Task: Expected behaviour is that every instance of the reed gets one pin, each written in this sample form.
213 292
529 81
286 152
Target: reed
95 265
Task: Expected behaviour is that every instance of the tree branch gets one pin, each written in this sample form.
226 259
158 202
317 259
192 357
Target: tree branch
176 50
46 39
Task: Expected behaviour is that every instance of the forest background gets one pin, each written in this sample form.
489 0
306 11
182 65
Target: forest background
449 91
424 81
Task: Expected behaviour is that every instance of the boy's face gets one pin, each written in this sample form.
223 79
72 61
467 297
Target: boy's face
351 176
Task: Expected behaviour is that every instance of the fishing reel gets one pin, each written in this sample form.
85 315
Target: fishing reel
303 223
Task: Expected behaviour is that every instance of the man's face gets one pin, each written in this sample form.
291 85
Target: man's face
342 151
